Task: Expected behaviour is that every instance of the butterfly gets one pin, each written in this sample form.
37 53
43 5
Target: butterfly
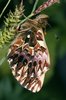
28 55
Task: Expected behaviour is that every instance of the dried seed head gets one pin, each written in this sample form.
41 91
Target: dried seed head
46 5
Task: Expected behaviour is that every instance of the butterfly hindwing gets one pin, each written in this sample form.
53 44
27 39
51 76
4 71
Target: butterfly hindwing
28 61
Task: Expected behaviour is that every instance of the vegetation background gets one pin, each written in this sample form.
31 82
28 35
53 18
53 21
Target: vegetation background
55 81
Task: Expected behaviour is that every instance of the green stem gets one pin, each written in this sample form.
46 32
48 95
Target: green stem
4 8
36 2
25 19
32 14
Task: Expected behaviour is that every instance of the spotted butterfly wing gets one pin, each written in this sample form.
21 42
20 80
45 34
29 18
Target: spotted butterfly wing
28 57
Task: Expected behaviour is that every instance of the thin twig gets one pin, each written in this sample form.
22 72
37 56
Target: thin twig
32 14
42 7
34 7
25 19
4 8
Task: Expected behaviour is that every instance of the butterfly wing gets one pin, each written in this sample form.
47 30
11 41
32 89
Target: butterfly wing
29 63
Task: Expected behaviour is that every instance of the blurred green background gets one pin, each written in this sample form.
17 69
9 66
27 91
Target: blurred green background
55 81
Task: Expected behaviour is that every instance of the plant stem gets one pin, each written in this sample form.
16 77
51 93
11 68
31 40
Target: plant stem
4 8
42 7
32 14
34 7
25 19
